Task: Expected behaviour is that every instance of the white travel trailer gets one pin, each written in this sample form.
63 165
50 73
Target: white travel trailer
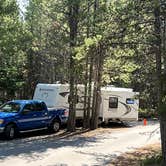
117 104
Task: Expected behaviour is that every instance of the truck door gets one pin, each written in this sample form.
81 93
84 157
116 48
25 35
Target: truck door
41 115
31 117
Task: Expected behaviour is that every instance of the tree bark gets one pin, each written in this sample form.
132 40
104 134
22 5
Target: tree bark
159 83
73 7
97 87
86 118
89 110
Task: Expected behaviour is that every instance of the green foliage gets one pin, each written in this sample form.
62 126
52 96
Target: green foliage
155 160
82 51
11 55
148 113
38 47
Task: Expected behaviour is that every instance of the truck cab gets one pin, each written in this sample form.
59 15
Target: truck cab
29 115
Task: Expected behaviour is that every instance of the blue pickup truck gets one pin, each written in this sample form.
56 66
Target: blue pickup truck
20 116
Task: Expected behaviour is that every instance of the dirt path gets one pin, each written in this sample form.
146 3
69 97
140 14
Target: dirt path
99 147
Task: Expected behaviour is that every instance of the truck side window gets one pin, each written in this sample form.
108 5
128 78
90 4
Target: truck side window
113 102
28 108
39 107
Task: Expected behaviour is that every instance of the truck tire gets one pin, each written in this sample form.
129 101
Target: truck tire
55 126
10 131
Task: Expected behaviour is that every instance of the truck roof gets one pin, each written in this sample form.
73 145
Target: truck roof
26 101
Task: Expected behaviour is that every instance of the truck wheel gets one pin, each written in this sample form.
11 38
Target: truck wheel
10 131
55 126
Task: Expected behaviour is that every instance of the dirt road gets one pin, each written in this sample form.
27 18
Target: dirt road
97 147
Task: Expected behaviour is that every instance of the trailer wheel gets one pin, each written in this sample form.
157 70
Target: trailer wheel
55 126
10 131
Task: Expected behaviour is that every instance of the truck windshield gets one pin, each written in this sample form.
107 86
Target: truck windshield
10 107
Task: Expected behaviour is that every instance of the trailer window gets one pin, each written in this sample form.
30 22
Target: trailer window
113 102
129 101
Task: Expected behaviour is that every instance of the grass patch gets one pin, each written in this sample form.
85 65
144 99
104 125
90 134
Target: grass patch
154 160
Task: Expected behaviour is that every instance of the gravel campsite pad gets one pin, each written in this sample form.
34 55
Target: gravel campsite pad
98 147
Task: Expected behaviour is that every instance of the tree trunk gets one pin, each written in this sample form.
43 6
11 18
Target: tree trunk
97 87
86 118
164 42
89 110
163 139
159 86
85 94
30 75
73 25
163 93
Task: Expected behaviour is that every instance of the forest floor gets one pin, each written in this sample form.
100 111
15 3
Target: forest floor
83 148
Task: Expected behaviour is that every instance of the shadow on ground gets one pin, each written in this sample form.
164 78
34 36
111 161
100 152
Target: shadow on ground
26 145
30 146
